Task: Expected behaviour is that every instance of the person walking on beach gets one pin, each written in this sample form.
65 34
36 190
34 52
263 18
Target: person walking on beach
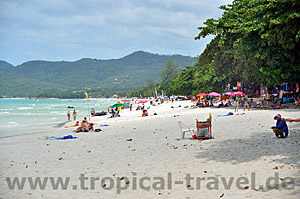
74 115
247 102
281 129
130 107
69 116
236 103
211 101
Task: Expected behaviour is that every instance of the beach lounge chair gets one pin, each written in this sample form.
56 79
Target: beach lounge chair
186 128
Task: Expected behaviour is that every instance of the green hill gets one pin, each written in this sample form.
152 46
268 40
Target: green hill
6 66
131 71
15 85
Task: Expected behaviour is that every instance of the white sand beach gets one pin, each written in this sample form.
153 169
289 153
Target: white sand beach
132 148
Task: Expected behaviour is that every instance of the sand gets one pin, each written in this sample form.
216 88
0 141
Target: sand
150 149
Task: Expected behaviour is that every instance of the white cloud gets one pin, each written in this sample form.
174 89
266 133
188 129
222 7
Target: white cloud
72 29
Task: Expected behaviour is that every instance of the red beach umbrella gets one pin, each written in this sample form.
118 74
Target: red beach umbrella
143 101
201 95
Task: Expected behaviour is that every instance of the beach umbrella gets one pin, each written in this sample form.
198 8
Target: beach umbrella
214 94
201 95
229 93
116 105
239 93
143 101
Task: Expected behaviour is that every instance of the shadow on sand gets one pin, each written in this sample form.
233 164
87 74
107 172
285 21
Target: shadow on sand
261 145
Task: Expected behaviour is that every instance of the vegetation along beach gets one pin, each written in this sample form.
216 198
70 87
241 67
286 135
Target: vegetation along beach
150 99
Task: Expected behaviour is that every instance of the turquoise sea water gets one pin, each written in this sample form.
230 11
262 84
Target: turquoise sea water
22 116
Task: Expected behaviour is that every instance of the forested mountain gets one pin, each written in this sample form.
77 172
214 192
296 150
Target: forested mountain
15 85
6 66
131 71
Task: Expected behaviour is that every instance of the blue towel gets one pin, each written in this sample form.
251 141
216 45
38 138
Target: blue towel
224 115
62 138
103 125
229 114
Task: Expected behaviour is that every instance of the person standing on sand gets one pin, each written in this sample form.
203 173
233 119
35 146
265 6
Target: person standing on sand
211 101
130 107
281 129
69 116
236 103
74 115
247 102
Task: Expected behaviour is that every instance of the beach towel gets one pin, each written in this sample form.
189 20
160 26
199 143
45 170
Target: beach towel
229 114
103 125
62 138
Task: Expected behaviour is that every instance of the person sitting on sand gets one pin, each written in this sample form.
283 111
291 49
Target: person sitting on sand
91 126
138 108
278 105
206 103
281 129
221 105
86 120
76 124
145 113
261 104
83 127
112 113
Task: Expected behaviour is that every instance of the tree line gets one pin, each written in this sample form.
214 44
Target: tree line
255 41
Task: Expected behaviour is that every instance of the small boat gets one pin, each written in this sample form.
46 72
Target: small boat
100 113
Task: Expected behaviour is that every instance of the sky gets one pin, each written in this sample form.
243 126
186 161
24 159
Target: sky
56 30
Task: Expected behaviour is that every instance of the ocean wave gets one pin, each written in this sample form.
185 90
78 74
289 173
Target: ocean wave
26 114
25 108
13 123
